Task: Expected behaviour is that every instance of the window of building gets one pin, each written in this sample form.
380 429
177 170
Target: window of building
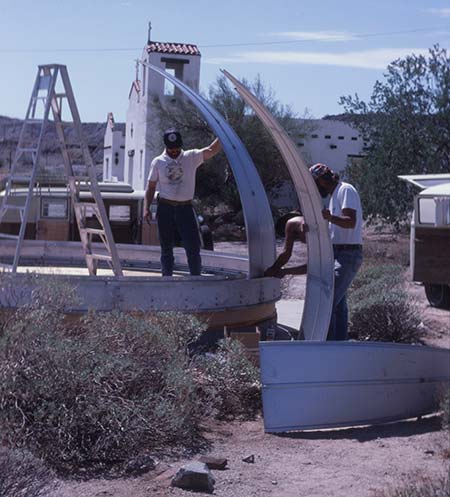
333 146
54 208
121 213
107 167
131 130
354 138
300 144
427 211
327 137
141 155
340 137
169 88
314 136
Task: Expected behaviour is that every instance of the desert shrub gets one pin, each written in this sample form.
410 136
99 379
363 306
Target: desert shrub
23 475
445 408
439 487
97 394
231 380
381 310
384 275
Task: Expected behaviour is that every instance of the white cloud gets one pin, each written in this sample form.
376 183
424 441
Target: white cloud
328 36
439 12
367 59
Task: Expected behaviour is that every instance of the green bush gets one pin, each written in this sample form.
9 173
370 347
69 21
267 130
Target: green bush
425 487
231 380
22 474
97 392
384 275
445 407
380 310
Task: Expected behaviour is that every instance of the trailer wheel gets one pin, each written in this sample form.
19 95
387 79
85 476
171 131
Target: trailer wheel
438 295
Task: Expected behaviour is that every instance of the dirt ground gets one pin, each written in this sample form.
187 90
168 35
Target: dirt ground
352 462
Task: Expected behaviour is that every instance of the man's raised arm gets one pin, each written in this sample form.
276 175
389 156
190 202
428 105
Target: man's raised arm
213 149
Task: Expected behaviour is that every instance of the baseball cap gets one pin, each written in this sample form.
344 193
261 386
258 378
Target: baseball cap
172 138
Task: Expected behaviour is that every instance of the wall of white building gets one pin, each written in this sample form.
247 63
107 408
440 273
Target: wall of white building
331 142
143 140
135 138
113 151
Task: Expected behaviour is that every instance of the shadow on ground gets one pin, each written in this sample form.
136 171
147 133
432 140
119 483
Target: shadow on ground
368 433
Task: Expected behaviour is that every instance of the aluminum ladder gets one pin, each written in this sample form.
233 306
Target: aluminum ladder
45 98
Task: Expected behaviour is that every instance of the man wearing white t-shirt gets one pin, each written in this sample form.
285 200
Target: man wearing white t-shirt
174 173
344 214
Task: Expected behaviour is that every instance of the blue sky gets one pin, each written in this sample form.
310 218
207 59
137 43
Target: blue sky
308 53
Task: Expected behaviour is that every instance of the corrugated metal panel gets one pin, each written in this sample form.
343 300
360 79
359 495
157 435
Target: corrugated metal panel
426 180
323 385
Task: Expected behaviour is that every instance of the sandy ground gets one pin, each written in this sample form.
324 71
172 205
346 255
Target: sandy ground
353 462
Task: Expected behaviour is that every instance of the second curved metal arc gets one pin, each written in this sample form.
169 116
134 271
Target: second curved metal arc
320 279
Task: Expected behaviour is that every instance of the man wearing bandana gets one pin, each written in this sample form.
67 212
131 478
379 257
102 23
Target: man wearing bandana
174 173
344 215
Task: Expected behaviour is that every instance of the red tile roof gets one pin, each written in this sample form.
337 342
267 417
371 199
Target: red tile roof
173 48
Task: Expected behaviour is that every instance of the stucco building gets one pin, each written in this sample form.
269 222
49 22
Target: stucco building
142 140
129 150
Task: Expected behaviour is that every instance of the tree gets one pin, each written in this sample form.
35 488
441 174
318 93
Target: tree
215 177
406 125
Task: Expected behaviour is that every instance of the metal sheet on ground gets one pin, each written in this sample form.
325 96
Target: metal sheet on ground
310 385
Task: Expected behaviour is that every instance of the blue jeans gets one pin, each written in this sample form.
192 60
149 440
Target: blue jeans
181 219
347 262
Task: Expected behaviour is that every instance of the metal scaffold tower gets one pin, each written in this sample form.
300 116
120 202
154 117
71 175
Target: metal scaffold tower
52 92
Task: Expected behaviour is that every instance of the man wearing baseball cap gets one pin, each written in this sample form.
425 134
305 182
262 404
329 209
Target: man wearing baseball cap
344 215
174 173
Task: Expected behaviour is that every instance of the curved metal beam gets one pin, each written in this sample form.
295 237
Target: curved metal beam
320 279
255 206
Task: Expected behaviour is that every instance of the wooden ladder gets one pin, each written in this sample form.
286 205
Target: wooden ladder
29 145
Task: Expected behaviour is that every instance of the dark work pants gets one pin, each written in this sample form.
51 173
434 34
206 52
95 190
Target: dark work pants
181 218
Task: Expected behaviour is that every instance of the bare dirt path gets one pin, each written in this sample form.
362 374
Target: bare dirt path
352 462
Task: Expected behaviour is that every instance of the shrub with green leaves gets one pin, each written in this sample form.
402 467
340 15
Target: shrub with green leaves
425 487
380 309
22 474
92 394
445 407
99 393
231 380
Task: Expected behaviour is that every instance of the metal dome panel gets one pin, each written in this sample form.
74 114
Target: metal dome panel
320 277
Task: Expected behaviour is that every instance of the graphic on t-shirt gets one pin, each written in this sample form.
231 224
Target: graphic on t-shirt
174 172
